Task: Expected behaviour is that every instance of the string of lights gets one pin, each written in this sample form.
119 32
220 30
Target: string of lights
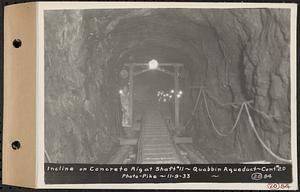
167 96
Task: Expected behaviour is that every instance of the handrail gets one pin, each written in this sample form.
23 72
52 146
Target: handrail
261 141
47 156
245 105
233 104
195 108
213 124
262 113
139 151
197 101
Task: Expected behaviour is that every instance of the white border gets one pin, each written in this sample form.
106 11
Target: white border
41 6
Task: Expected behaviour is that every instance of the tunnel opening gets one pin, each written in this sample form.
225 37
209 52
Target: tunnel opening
148 85
223 74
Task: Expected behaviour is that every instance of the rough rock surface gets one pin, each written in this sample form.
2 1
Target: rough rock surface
237 55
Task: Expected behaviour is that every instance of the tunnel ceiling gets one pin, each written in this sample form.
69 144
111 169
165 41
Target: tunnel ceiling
143 29
211 37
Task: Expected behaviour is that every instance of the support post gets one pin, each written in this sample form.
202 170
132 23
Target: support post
176 89
130 95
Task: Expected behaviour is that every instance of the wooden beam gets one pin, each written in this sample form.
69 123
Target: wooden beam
160 64
180 140
166 71
140 72
136 126
125 141
158 69
120 155
176 85
138 117
197 87
194 156
130 95
176 103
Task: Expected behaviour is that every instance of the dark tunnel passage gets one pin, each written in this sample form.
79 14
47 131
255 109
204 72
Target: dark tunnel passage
229 56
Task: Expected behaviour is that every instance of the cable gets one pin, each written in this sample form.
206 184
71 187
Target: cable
197 101
213 124
261 141
190 120
47 156
233 104
246 105
262 113
195 108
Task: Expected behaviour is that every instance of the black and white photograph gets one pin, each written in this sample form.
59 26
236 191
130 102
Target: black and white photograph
167 86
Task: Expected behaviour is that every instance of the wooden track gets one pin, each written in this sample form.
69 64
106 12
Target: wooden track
155 144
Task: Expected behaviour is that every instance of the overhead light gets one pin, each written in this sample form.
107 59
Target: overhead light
153 64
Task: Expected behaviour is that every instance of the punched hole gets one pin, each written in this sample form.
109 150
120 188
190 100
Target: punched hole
16 145
17 43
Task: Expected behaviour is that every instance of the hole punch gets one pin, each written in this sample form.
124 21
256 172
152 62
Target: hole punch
17 43
16 145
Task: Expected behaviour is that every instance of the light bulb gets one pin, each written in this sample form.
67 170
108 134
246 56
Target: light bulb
153 64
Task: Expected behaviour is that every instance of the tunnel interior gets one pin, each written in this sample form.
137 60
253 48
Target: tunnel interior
235 55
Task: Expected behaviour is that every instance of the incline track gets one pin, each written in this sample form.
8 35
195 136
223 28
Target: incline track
155 144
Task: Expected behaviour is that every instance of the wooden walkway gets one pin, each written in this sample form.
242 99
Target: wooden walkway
155 144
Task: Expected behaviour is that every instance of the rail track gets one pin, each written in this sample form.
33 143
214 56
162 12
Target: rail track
155 144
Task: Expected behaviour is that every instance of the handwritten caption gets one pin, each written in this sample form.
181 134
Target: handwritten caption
172 171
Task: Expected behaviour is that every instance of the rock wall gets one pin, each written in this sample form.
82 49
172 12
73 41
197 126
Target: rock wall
81 125
249 60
